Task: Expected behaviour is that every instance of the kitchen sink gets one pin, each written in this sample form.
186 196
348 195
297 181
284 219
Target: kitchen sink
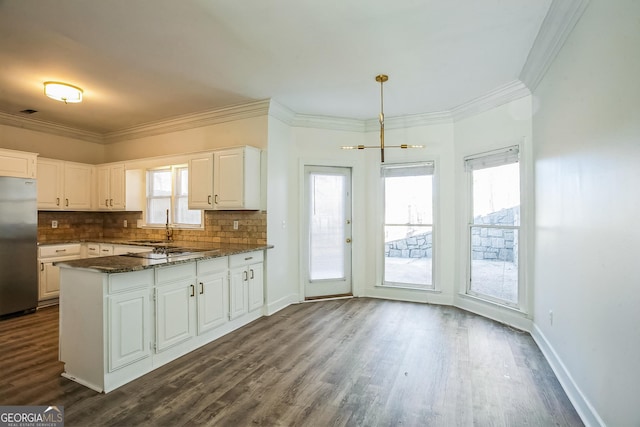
166 253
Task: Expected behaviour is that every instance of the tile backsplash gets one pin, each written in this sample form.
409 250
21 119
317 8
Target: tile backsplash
252 227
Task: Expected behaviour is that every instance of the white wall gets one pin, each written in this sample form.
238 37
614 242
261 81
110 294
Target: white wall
51 146
587 153
282 266
503 126
438 143
250 131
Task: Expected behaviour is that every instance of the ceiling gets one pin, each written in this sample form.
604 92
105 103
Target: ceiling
145 61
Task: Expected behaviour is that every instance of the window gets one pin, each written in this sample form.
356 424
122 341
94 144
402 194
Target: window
408 225
494 225
167 198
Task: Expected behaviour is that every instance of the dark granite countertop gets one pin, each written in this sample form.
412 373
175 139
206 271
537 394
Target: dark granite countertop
125 263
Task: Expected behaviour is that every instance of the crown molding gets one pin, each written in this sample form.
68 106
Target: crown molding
497 97
562 17
190 121
50 128
411 120
282 113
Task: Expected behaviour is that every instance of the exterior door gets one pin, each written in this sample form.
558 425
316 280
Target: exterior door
327 259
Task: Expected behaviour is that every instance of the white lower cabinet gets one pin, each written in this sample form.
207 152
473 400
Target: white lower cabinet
49 274
213 294
115 327
246 287
129 328
175 305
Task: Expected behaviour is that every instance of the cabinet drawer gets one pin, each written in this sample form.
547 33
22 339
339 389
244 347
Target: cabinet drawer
93 249
120 282
213 265
49 251
239 260
175 273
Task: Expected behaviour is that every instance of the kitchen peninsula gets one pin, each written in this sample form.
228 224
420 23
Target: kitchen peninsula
123 316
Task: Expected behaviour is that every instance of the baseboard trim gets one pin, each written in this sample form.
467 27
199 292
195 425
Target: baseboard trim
583 407
282 303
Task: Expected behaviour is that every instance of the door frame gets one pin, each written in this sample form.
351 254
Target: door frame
355 226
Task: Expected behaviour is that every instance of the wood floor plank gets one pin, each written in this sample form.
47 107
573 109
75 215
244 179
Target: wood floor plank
348 362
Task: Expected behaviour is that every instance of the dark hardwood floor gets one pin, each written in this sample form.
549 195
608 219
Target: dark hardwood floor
352 362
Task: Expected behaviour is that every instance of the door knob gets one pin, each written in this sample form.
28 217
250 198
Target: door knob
348 240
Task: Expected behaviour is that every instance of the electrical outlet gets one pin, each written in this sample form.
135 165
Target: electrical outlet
124 224
54 224
235 225
551 317
139 223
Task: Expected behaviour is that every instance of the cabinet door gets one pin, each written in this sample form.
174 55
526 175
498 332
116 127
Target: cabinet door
50 184
129 326
201 182
256 286
49 281
175 303
103 187
117 185
238 303
228 180
17 163
77 186
212 301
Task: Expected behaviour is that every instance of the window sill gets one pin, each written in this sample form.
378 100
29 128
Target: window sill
409 287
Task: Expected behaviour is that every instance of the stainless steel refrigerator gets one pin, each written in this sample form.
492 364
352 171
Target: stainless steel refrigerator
18 245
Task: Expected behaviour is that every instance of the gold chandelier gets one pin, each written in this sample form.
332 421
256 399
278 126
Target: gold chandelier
381 78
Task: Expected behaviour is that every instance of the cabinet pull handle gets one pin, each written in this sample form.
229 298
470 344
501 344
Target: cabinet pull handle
209 199
42 266
201 288
67 202
248 258
106 202
57 201
111 202
215 199
251 273
246 276
60 250
193 290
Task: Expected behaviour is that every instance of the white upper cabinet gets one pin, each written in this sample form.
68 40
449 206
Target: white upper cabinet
228 179
201 182
111 187
18 164
64 185
236 179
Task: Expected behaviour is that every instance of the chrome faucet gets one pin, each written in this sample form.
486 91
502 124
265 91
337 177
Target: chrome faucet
169 230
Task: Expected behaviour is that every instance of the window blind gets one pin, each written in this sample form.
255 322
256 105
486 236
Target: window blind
407 169
491 159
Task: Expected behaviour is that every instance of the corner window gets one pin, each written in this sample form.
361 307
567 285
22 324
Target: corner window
408 225
167 198
494 225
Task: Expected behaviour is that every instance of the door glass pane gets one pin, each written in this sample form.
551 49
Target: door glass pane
494 262
327 227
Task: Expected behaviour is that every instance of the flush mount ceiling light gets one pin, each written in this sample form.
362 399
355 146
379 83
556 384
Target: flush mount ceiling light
63 92
381 78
